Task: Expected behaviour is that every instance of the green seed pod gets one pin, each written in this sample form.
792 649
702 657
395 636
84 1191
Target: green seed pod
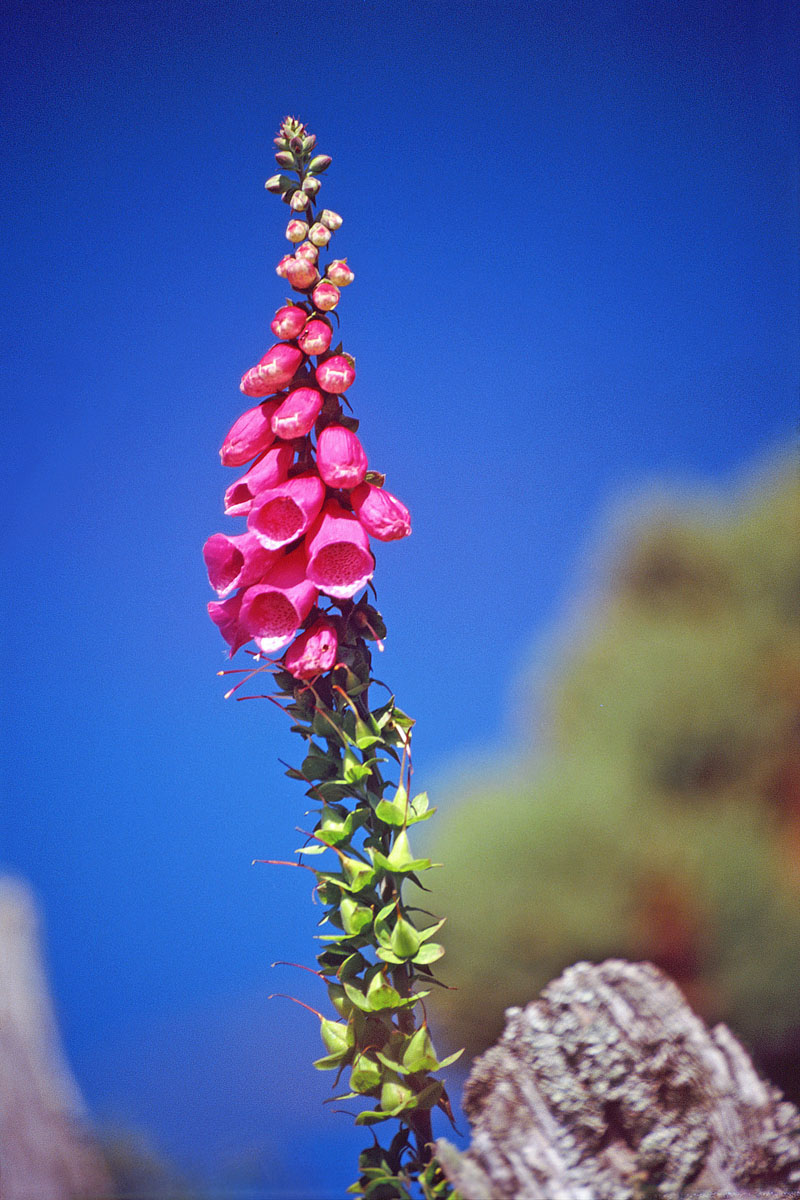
365 1075
405 941
338 1037
394 1093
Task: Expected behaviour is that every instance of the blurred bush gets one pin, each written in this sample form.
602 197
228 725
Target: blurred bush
659 817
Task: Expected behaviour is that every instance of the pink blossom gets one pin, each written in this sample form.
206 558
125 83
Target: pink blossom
336 373
314 652
225 615
268 472
251 433
339 273
339 559
325 296
273 610
316 337
301 274
273 372
341 460
236 562
383 516
285 512
288 321
296 415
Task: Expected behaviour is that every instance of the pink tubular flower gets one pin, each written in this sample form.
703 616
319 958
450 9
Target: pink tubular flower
315 338
285 512
272 611
225 615
314 652
383 516
275 370
268 472
339 559
325 296
236 562
301 274
341 460
339 273
336 373
288 321
296 415
251 433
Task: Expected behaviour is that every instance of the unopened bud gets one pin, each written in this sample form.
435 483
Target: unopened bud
298 201
296 144
319 235
310 141
289 321
325 296
330 220
311 185
301 274
315 337
296 230
285 159
336 373
280 142
275 183
282 265
319 164
339 273
308 252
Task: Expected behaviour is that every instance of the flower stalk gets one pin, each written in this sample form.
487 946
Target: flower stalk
294 582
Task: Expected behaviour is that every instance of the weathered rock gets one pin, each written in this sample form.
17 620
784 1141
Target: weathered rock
608 1087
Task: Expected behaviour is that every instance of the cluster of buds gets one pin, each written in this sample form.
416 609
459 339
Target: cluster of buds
310 502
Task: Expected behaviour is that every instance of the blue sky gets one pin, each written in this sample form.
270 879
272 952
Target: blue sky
574 232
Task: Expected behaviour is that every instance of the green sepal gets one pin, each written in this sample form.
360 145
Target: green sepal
429 952
419 1054
382 995
430 930
319 765
311 848
329 1062
399 860
337 1036
353 770
293 773
359 875
366 737
395 1094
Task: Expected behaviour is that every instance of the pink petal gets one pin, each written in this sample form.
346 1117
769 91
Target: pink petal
314 652
225 615
249 435
284 513
339 559
341 460
268 472
272 611
383 516
236 562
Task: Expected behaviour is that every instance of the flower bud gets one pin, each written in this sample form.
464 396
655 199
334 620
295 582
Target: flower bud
285 159
279 183
295 416
296 230
339 273
315 338
299 200
330 219
336 373
301 274
325 296
288 321
341 460
319 164
250 433
307 251
309 142
382 515
296 144
313 653
274 370
282 265
319 234
311 185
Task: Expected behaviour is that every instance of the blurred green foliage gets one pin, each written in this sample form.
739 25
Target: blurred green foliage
658 817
